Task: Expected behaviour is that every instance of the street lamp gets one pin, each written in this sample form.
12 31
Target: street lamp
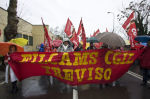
113 19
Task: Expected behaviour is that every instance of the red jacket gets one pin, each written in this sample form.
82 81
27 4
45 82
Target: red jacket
145 58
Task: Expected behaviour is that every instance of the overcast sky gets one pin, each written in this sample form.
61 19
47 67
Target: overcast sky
55 12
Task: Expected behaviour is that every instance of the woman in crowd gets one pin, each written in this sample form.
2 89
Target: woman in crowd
9 72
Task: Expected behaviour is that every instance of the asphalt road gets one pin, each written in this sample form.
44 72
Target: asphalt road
39 88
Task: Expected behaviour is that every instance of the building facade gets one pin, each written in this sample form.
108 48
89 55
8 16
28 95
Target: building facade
33 33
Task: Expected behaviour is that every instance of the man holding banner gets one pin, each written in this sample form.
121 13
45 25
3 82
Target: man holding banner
145 63
65 47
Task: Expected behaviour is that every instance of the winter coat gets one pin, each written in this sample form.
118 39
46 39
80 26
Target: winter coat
144 58
63 86
41 48
61 49
79 49
91 48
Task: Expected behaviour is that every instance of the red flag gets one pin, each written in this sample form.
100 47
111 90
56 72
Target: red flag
71 33
81 32
106 30
132 33
75 40
69 29
98 45
91 35
0 32
47 39
83 37
95 33
127 22
80 28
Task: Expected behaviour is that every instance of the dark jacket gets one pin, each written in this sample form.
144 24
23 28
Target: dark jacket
90 48
145 58
79 49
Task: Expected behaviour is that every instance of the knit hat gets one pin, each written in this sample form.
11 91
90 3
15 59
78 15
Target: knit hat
66 39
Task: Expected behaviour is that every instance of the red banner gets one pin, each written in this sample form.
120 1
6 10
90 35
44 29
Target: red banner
74 68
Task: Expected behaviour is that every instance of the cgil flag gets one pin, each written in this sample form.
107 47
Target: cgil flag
132 33
131 30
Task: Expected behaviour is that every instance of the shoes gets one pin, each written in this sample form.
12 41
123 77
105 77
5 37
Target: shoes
143 84
14 90
148 87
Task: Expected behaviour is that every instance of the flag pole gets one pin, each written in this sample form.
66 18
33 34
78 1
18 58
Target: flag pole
46 36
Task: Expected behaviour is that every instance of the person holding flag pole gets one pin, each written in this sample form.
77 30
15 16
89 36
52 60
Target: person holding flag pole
71 33
47 39
47 44
131 30
81 32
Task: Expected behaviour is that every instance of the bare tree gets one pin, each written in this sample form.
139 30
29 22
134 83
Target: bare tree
10 30
142 11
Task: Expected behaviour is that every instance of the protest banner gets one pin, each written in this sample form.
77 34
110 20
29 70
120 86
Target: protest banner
74 68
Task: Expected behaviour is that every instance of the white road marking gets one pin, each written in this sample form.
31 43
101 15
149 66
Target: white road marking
136 75
2 83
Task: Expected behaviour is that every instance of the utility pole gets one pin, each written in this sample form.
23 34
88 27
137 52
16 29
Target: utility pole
113 19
